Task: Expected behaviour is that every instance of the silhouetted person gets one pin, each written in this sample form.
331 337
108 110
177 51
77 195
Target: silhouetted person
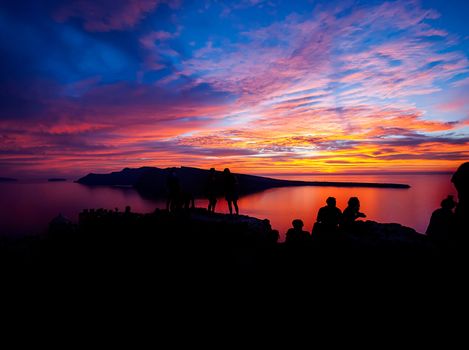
127 210
174 191
127 218
460 180
328 218
188 200
442 222
351 213
211 190
296 235
230 186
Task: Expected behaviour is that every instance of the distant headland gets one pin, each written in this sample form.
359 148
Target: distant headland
151 181
7 179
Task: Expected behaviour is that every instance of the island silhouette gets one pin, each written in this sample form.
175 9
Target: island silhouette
151 181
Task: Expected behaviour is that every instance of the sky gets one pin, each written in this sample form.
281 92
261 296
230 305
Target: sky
261 87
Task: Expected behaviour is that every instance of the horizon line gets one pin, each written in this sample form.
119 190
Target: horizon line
360 173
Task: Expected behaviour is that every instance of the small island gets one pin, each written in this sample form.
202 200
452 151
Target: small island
7 179
56 179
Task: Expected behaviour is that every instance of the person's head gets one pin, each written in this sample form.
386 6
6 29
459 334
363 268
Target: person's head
297 224
226 171
448 203
354 202
127 209
331 202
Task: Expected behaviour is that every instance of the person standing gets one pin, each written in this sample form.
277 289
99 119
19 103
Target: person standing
230 185
173 187
211 190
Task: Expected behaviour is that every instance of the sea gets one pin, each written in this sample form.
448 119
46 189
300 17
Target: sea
27 207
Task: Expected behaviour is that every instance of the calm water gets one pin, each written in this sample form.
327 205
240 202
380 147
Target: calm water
27 208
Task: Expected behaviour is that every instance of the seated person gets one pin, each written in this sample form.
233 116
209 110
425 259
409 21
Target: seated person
296 235
351 213
442 221
328 218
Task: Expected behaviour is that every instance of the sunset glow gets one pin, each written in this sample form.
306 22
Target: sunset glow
262 87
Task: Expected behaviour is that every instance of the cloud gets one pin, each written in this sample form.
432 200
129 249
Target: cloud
104 15
108 125
461 82
291 53
455 104
155 43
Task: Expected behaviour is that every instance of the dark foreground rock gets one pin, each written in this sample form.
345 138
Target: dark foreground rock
195 260
194 245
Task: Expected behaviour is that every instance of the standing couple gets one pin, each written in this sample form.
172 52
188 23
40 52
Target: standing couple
230 190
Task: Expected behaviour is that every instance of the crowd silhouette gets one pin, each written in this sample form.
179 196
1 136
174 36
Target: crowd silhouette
448 224
330 224
335 232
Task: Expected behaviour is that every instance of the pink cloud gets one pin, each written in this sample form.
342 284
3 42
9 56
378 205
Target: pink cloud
155 45
455 104
461 82
434 32
149 40
324 46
